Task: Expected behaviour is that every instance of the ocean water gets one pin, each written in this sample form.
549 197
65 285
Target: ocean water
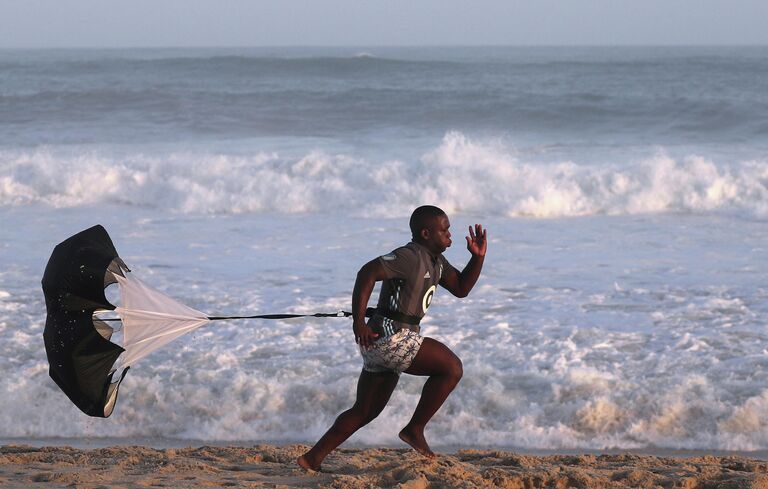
623 302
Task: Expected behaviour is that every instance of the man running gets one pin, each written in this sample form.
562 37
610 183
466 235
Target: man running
390 343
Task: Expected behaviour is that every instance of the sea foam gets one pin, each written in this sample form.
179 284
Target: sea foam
602 332
461 174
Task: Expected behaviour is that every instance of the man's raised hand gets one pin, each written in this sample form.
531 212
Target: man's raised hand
476 241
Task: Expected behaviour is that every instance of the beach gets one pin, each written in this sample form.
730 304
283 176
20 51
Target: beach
272 466
622 307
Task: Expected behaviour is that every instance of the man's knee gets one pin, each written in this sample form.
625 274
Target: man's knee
366 414
456 370
371 416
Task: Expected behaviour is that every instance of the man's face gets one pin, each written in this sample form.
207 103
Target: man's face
439 234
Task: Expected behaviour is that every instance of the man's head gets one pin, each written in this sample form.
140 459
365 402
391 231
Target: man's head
429 227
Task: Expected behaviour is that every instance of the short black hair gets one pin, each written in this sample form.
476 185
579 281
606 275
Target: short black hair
421 217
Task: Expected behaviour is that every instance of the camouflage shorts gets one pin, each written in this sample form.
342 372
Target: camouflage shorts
393 353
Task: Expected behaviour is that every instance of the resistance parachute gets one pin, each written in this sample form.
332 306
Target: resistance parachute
81 356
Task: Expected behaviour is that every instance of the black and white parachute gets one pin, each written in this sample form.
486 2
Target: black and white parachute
83 361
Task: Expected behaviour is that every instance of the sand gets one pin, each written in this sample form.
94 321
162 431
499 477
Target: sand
273 467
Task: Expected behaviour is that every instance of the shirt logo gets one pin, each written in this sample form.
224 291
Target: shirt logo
426 275
427 299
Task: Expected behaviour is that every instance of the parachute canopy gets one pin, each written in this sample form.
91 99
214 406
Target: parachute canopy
79 351
83 360
81 356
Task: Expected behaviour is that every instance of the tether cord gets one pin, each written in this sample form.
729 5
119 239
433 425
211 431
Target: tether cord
369 312
340 314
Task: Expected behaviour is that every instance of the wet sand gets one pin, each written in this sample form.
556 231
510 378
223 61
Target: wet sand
270 466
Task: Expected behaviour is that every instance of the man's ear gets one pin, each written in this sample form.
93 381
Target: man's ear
424 233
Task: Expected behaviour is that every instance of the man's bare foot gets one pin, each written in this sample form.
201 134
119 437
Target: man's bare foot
416 439
304 464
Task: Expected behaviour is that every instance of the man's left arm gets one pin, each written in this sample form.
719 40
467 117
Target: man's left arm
461 283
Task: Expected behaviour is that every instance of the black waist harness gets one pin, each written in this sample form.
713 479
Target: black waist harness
393 315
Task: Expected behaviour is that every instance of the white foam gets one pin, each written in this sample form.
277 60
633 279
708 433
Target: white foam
555 354
461 175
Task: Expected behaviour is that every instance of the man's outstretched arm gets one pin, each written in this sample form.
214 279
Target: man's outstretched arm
461 283
367 277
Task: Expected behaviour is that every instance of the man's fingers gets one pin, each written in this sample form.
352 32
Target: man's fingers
366 339
471 233
479 231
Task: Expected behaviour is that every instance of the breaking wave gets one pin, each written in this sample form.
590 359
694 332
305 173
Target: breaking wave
461 175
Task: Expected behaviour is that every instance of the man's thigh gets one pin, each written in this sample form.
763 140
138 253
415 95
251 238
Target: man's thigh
433 358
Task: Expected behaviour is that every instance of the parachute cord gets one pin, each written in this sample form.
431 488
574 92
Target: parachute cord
340 314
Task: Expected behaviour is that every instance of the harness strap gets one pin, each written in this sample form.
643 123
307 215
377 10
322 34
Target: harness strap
393 315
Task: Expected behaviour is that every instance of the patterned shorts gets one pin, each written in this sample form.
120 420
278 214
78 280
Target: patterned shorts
393 353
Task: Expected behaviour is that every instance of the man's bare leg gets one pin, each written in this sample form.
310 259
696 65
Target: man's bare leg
444 370
373 392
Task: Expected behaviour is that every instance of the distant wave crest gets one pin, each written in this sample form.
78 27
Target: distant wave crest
460 174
